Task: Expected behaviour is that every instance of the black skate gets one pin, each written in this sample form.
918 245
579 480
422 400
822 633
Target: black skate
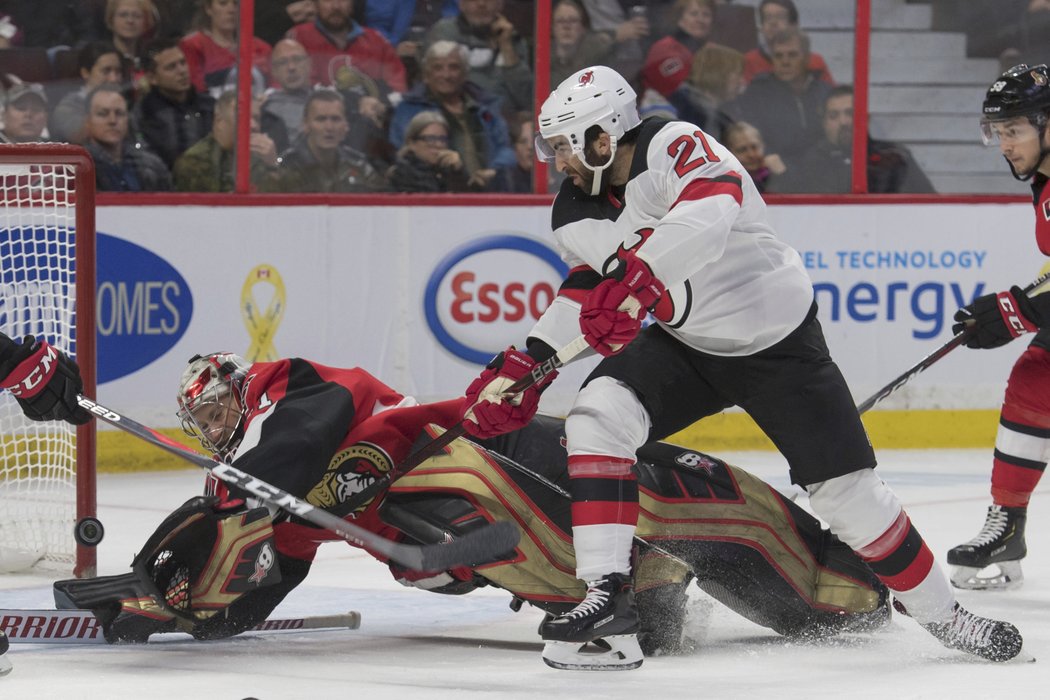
607 618
989 639
1000 543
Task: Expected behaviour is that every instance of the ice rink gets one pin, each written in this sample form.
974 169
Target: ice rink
425 646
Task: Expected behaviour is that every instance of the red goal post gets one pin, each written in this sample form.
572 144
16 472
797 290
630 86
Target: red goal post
47 288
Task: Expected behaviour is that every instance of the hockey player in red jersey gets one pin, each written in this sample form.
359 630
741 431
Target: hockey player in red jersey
1015 114
658 215
216 567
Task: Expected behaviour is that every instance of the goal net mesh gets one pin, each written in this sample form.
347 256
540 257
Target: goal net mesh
37 297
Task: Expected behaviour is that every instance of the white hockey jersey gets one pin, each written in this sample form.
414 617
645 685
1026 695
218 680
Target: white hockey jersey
691 211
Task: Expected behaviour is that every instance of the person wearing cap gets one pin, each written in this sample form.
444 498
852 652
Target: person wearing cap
669 60
25 114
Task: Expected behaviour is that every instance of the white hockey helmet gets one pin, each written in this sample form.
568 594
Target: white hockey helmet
594 96
211 404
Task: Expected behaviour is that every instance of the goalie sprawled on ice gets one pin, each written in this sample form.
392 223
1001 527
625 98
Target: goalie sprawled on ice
216 566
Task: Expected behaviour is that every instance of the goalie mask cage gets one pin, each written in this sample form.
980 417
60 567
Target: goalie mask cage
47 289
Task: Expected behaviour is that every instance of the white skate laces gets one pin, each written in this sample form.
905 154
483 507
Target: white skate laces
595 599
994 526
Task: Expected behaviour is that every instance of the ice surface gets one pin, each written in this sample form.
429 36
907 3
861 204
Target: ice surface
425 646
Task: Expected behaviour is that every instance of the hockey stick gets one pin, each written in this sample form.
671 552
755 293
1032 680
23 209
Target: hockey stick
475 547
82 627
933 357
537 374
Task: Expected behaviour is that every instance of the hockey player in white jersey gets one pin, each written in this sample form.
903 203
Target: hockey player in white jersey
658 215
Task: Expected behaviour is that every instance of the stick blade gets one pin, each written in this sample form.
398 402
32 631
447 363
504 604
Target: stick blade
481 546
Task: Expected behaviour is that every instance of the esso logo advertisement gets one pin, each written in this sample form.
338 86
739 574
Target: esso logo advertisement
488 293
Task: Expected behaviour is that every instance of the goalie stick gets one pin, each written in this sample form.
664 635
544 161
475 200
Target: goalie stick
476 547
81 626
537 374
933 357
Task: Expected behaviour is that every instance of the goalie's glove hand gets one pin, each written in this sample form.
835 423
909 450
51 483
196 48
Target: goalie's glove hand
612 313
44 381
993 320
486 412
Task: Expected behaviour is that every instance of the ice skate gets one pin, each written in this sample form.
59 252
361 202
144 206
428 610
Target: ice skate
1000 544
989 639
601 633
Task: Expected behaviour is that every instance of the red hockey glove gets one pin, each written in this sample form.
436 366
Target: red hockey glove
612 312
993 320
486 413
44 381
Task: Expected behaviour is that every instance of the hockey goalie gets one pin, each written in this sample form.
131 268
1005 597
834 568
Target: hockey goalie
217 566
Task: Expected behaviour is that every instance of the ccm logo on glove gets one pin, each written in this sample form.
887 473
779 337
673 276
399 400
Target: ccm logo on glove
32 375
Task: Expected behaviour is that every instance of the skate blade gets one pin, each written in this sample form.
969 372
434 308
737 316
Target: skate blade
1003 576
5 666
615 653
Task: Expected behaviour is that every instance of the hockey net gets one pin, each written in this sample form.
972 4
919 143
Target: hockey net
47 281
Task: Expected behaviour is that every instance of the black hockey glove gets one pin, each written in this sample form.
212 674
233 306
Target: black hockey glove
993 320
44 381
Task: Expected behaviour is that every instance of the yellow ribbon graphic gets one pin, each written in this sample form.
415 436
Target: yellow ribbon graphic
262 325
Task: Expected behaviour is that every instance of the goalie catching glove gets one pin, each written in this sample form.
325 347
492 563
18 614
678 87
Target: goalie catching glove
993 320
43 380
203 558
487 412
612 313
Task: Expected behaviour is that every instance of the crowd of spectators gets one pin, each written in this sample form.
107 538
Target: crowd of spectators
409 95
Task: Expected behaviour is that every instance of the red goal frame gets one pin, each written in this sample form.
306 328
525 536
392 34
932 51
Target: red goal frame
85 564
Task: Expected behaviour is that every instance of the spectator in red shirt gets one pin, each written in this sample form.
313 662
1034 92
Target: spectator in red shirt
774 16
333 33
211 51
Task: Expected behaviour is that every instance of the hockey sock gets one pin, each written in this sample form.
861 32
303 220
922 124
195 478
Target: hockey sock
901 560
1019 462
604 514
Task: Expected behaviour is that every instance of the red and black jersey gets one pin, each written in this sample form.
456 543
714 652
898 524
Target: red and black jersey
323 434
1041 200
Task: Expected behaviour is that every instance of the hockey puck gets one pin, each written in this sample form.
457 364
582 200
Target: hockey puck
88 532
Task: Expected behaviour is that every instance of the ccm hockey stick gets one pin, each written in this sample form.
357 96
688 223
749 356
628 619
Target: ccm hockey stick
482 545
81 626
537 374
933 357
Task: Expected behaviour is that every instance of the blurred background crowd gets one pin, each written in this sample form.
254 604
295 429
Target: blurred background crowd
438 95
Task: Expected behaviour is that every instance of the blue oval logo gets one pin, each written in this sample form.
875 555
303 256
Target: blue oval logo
143 307
489 292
